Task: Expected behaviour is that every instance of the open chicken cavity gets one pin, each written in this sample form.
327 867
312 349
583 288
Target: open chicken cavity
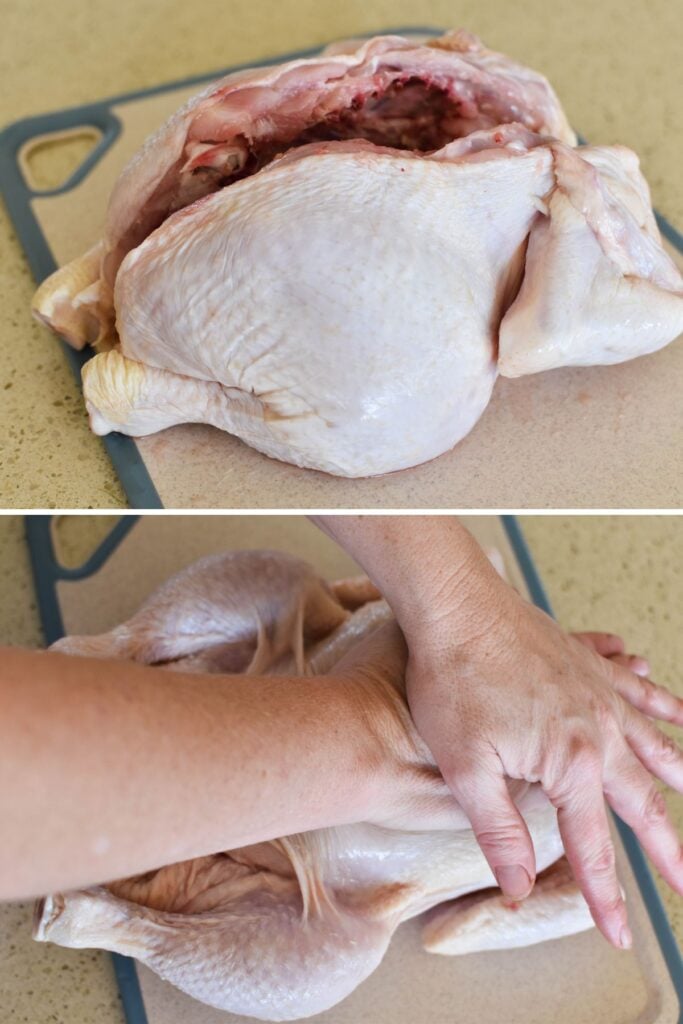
390 90
398 111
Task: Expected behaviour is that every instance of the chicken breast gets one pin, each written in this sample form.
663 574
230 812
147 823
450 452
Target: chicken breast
285 929
321 359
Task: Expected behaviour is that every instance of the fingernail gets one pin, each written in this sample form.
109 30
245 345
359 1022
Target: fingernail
513 880
640 666
625 937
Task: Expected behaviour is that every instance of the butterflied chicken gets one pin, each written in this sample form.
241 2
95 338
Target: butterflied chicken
286 929
333 258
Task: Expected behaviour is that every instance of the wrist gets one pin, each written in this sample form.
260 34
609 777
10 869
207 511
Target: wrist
418 563
360 756
382 726
456 608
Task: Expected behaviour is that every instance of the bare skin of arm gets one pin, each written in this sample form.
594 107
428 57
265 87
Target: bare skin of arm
109 769
499 691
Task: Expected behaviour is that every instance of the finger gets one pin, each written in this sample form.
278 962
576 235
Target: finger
657 751
498 826
633 662
633 794
584 827
606 644
611 646
654 701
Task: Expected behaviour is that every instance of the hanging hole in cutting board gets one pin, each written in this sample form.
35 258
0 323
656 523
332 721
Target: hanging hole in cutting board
49 162
76 538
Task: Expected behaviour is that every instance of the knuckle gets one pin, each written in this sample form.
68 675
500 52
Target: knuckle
611 670
659 747
585 759
601 860
654 808
669 752
503 839
579 744
648 696
574 771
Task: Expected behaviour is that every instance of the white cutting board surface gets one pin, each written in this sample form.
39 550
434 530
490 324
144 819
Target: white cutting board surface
577 980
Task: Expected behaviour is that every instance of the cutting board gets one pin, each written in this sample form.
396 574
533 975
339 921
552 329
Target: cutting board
602 437
578 980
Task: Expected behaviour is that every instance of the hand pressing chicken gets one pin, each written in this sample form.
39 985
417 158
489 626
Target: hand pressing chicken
286 928
211 774
499 692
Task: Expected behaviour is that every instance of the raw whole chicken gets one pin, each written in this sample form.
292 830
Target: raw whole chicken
333 258
285 929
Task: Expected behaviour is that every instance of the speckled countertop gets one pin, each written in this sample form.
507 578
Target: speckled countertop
615 64
615 573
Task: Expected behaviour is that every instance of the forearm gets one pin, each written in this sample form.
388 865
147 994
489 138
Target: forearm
427 567
119 768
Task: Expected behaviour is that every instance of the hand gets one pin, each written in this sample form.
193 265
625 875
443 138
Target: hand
522 699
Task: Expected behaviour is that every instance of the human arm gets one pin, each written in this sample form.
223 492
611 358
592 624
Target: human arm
110 768
498 691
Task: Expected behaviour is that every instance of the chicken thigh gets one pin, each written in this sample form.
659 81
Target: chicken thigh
285 929
597 287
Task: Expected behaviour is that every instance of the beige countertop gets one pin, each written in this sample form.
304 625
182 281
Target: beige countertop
614 573
615 64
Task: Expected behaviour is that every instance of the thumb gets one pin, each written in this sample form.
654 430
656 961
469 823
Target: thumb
498 826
